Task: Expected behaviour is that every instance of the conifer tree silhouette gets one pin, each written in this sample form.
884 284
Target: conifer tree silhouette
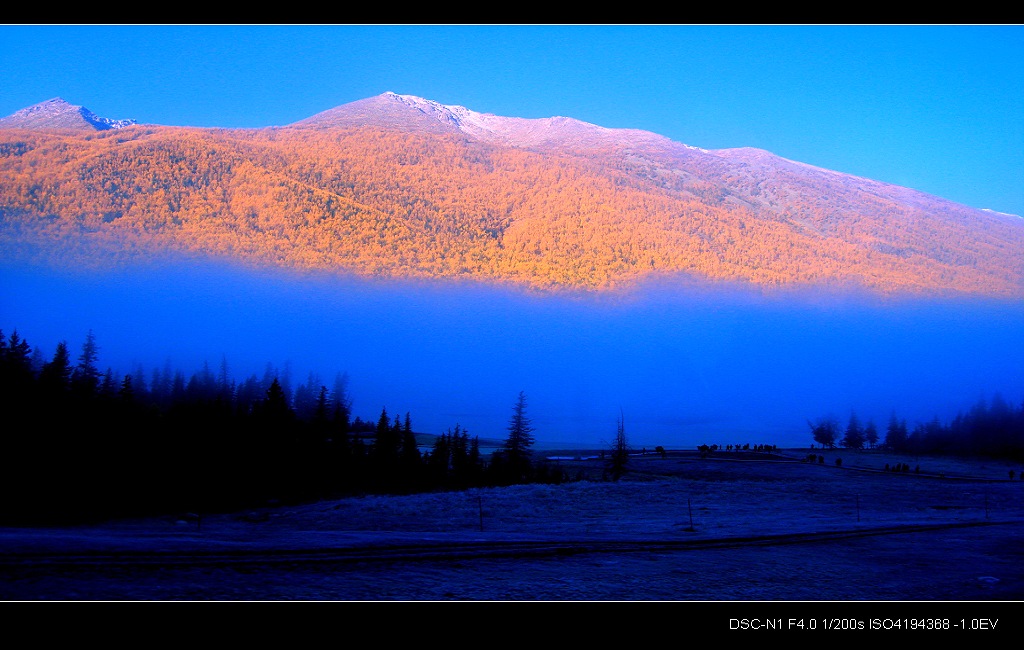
515 456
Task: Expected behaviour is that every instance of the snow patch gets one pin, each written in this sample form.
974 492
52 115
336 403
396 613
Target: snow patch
1005 214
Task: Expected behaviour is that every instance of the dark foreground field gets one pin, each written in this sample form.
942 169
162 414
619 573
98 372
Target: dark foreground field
732 527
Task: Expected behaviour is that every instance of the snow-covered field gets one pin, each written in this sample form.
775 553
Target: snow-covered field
728 528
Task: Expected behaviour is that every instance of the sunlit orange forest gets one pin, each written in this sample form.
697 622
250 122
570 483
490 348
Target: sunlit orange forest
376 202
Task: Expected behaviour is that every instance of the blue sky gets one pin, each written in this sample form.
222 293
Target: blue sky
935 108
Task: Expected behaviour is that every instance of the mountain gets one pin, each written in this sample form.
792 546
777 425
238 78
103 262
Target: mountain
58 114
403 187
391 110
755 169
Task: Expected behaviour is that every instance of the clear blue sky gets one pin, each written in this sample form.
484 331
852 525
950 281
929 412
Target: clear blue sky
936 108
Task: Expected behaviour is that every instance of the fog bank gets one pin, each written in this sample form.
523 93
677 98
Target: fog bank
683 364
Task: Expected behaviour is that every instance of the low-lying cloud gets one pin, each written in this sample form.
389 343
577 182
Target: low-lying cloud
685 365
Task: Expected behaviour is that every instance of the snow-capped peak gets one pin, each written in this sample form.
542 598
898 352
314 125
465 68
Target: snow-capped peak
58 113
518 131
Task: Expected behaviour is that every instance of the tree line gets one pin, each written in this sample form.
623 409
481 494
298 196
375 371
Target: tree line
992 428
80 444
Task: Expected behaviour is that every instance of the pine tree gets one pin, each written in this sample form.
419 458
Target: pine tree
515 456
275 404
410 451
342 422
871 434
127 392
340 392
55 376
225 387
619 456
854 437
86 376
18 357
896 434
107 387
320 412
475 463
385 446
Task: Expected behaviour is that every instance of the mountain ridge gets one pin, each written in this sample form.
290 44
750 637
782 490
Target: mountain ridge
488 127
400 186
557 130
56 113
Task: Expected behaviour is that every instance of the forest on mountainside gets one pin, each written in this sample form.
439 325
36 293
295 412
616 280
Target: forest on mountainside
380 203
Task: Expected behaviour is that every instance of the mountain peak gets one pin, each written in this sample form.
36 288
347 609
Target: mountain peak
396 110
56 113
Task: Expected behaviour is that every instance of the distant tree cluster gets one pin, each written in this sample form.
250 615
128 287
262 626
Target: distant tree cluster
761 447
83 444
992 428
